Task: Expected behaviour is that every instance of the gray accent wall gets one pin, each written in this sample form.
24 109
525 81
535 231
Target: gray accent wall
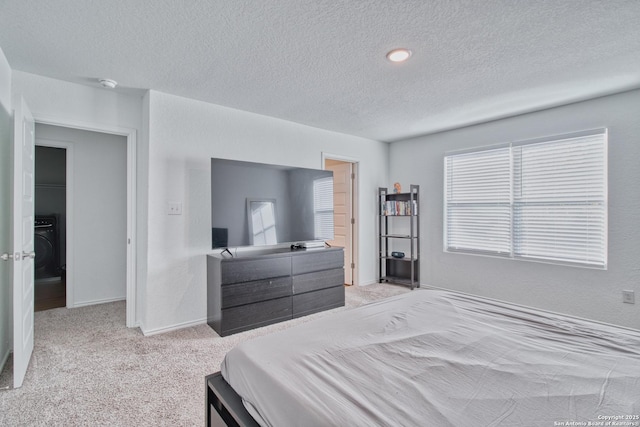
584 292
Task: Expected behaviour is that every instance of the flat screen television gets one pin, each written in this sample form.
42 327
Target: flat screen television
259 204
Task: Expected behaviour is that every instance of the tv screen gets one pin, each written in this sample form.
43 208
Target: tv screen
258 204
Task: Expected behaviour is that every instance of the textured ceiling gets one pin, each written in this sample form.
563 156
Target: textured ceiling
322 62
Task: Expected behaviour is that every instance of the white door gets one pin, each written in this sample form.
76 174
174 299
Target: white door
23 255
342 213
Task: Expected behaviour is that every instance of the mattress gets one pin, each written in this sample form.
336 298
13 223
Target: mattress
438 358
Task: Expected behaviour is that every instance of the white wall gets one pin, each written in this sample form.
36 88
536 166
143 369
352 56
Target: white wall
5 208
583 292
99 212
57 99
52 100
176 140
183 136
5 82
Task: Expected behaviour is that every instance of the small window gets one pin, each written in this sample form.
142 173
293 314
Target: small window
537 200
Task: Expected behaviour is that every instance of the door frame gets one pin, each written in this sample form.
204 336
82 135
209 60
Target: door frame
132 319
355 206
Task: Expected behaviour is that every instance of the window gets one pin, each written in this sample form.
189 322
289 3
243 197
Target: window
323 208
538 200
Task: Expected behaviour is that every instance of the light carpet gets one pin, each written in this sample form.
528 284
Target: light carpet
89 369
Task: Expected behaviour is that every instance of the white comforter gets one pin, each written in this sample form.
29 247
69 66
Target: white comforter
435 358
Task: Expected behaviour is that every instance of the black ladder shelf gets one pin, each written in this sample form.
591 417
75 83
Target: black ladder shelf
399 211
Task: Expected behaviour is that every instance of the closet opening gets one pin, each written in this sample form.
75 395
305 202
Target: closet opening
50 228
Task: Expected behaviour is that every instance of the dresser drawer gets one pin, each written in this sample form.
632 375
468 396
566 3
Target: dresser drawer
259 290
249 316
245 270
316 261
312 302
318 280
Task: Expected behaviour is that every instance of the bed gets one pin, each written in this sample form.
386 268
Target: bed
432 357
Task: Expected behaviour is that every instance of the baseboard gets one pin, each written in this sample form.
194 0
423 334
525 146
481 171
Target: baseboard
375 282
96 302
418 284
156 331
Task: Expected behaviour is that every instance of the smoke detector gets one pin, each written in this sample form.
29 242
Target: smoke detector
108 83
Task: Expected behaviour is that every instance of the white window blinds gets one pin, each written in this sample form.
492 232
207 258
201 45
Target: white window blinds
323 208
542 200
559 200
478 194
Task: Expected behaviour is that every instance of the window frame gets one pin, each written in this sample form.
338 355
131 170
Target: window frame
449 200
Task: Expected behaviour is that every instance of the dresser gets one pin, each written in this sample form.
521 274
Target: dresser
258 288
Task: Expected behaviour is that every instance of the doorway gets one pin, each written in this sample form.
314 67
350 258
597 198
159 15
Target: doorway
50 228
93 228
345 213
92 180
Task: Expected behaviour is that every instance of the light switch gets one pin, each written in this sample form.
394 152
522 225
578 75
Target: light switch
628 297
174 208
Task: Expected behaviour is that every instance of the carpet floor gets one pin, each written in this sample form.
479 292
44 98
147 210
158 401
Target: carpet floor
89 369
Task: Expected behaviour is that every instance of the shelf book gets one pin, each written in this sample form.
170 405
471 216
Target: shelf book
400 207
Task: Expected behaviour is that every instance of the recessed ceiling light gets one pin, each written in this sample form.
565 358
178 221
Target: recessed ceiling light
399 55
108 83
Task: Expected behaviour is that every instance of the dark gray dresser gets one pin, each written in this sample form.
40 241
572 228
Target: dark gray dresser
257 288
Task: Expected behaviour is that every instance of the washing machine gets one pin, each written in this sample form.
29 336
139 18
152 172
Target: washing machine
46 246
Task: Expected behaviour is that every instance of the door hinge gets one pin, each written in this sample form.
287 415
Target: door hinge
353 175
353 265
353 220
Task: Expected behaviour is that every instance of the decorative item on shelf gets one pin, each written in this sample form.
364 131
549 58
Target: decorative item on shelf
397 188
396 254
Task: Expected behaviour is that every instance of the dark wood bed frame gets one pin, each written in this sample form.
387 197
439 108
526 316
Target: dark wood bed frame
223 406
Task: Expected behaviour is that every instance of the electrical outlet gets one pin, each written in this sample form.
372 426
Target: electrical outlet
174 208
628 297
